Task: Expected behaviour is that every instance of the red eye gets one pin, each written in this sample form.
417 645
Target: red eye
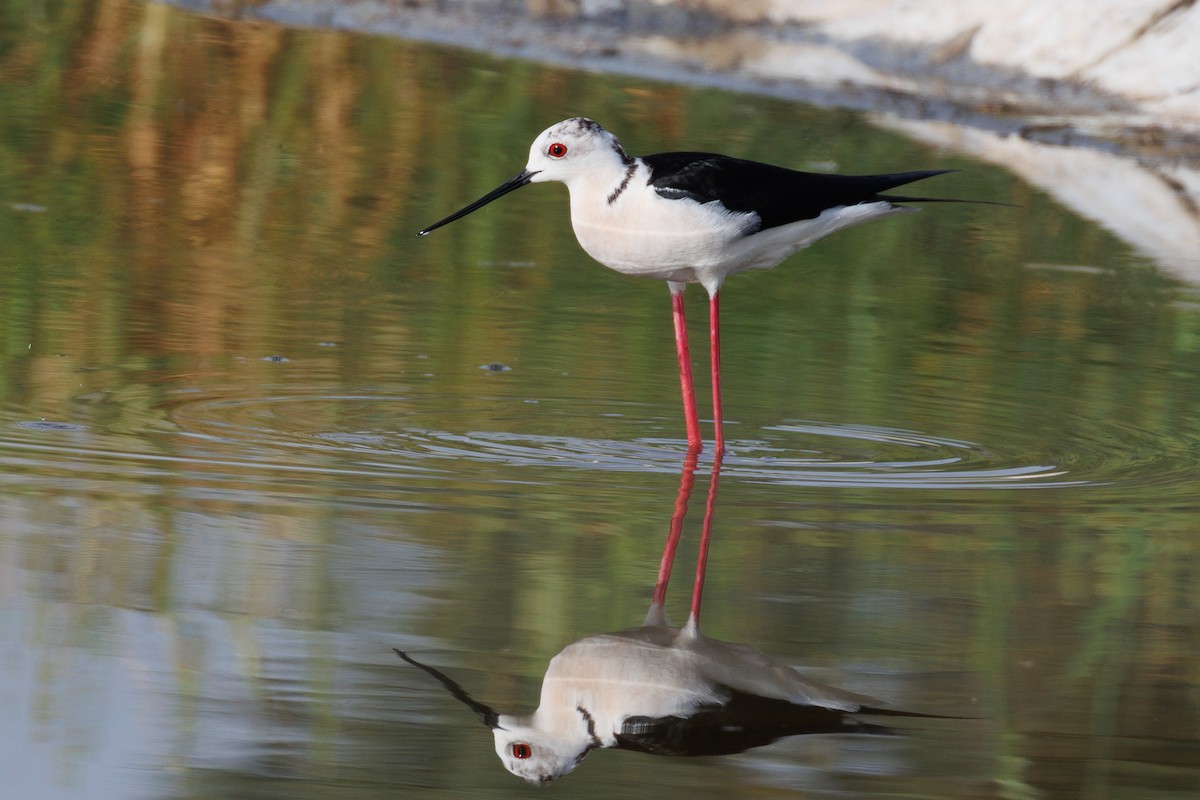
520 749
556 150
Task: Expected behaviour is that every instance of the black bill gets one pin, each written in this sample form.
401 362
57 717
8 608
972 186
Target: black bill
516 182
489 715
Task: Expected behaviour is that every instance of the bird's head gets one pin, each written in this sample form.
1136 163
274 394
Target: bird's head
537 753
539 756
573 148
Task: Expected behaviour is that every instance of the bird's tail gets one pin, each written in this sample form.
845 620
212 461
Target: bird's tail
889 712
892 198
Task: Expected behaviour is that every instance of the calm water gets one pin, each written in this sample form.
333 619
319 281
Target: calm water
247 446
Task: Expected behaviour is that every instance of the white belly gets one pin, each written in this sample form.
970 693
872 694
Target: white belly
688 242
644 234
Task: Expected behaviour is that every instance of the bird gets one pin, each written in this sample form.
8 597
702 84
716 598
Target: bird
664 690
694 218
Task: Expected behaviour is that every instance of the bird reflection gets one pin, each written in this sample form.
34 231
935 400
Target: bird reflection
664 690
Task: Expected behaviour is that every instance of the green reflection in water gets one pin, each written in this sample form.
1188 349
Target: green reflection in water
182 198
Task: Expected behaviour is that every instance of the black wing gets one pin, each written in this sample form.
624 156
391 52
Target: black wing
745 721
776 194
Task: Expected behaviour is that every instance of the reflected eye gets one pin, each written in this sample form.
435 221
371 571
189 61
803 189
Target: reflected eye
520 749
556 150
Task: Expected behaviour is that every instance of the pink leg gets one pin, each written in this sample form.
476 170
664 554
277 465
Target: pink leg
691 418
714 333
687 480
710 506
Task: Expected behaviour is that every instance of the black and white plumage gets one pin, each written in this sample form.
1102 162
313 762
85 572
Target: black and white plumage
664 691
776 195
694 218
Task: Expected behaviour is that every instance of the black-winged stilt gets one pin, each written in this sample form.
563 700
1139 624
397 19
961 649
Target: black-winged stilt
694 218
664 690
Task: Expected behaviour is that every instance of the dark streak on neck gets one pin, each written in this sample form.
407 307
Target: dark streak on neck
612 198
591 726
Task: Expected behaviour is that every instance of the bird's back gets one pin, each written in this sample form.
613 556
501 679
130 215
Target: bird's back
778 195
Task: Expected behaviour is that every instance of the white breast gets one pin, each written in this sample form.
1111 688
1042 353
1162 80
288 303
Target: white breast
644 234
619 675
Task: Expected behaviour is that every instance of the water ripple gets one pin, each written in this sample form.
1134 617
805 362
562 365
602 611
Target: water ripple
379 431
385 436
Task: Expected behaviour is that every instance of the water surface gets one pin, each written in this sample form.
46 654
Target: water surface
248 445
